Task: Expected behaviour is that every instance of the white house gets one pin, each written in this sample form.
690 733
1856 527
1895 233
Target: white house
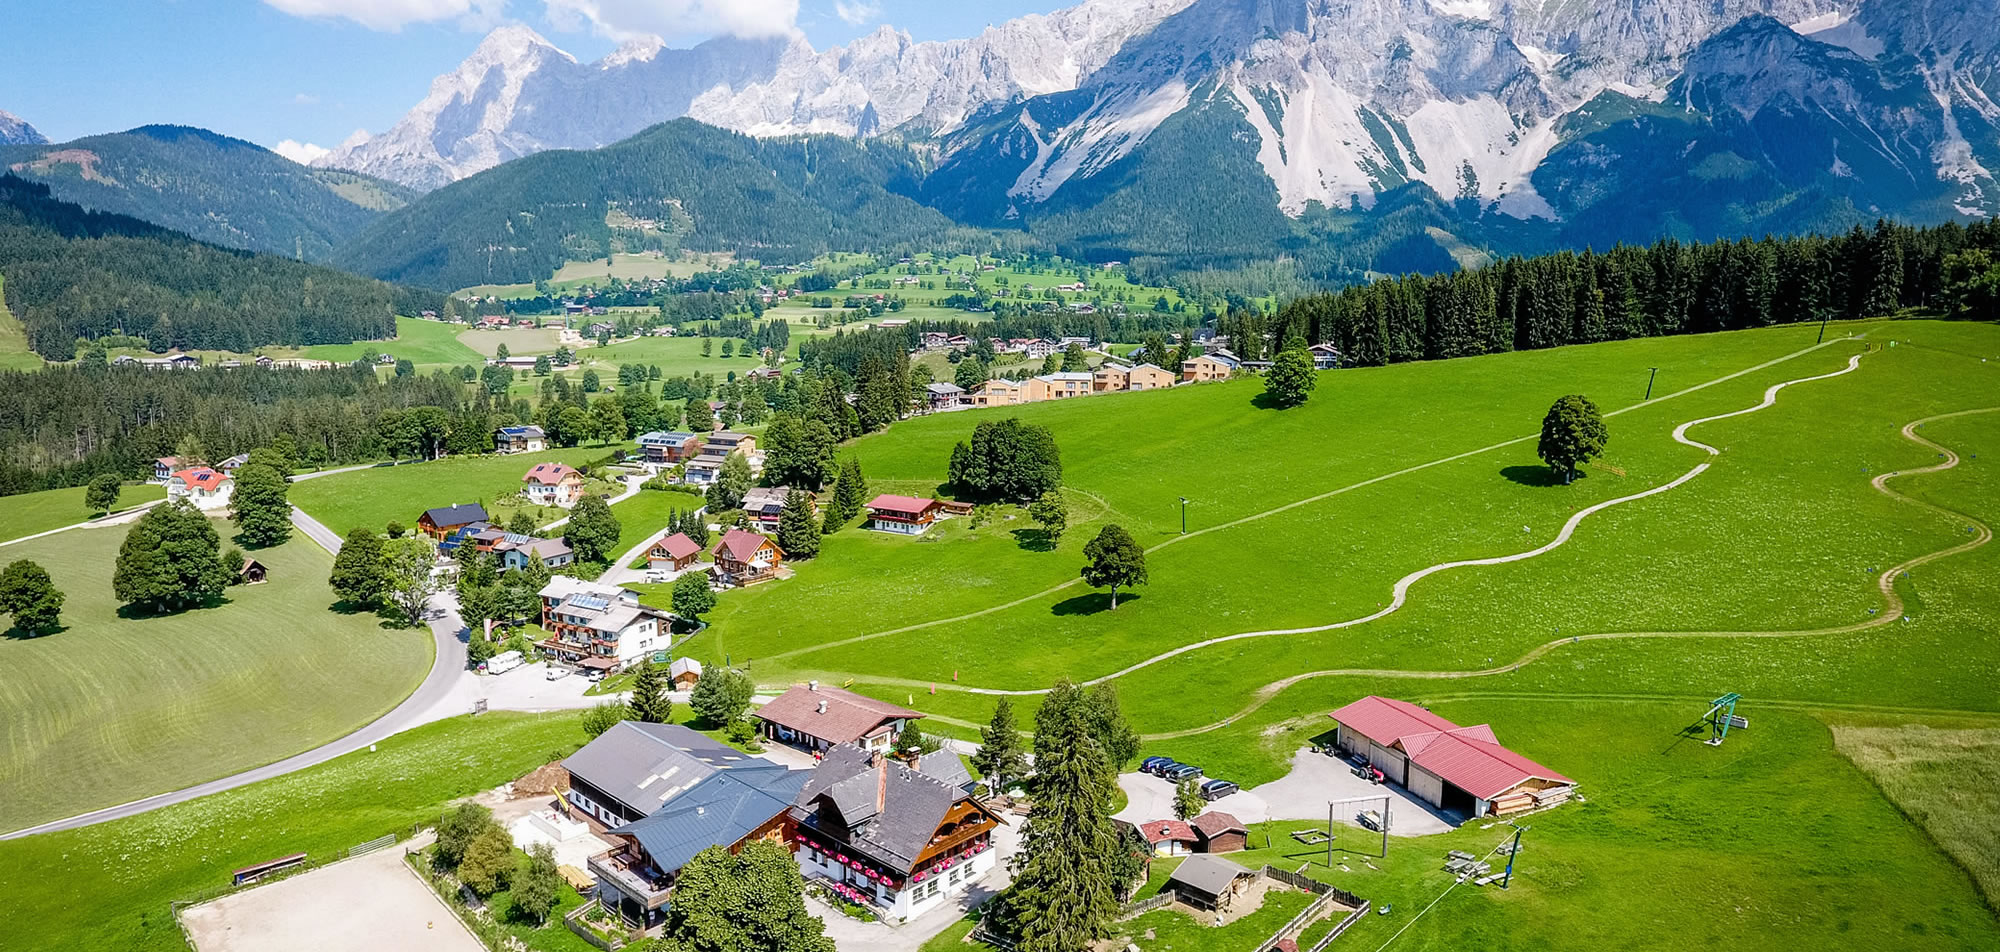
205 488
552 484
599 626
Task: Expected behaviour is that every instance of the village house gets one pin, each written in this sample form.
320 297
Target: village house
818 717
904 515
552 484
668 448
599 627
674 553
943 396
174 362
516 362
519 439
493 321
1040 348
1325 356
444 520
725 442
1461 770
765 505
900 838
745 558
998 393
1168 837
232 464
703 469
518 552
628 772
206 489
1206 367
1110 377
165 467
1057 386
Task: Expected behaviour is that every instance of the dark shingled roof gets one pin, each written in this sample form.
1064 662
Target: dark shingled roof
647 765
456 515
718 811
890 811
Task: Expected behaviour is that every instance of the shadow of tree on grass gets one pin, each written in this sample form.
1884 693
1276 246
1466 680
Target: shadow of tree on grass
1091 603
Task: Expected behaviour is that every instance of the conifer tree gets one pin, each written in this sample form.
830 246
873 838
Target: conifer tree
649 702
798 534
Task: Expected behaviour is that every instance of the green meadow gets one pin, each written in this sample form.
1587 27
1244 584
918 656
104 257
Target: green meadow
381 494
418 341
115 707
27 514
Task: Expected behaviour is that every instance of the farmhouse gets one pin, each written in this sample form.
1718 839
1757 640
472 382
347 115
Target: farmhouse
600 627
729 809
745 558
442 521
1324 356
904 515
666 449
552 484
900 838
673 553
1456 769
817 717
205 488
519 439
165 467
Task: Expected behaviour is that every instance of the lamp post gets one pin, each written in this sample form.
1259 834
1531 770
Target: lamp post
1184 502
1649 381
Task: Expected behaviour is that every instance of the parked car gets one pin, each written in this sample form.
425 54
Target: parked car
1217 789
1153 764
1180 772
1160 769
557 671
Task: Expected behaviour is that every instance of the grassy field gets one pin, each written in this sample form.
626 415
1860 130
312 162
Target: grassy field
375 496
1944 780
114 708
14 352
136 866
419 341
29 513
519 340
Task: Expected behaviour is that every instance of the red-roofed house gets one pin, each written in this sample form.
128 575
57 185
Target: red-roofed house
1460 769
1219 832
205 488
673 553
817 717
552 484
907 515
1169 837
743 558
165 467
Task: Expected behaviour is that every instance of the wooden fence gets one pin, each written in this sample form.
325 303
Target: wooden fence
574 920
1324 894
1345 924
1131 909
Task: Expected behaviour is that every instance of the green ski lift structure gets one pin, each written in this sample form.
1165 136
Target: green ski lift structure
1721 717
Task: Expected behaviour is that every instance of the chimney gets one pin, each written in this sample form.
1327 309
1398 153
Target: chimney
822 707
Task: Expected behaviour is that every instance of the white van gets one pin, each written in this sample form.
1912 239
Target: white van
503 662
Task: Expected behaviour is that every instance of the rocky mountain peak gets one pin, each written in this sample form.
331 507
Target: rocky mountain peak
15 131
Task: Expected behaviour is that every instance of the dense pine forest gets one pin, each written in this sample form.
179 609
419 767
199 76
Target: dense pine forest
73 274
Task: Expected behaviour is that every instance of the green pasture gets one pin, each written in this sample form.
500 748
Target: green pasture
14 352
137 866
26 514
519 340
418 341
381 494
114 708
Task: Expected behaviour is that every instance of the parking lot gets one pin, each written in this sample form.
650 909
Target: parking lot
368 904
1303 794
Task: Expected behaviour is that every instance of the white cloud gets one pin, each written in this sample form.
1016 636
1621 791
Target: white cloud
858 12
675 19
390 14
305 99
301 152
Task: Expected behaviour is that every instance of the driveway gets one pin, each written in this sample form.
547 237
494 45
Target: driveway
632 484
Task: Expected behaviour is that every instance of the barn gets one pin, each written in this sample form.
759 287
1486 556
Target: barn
1459 769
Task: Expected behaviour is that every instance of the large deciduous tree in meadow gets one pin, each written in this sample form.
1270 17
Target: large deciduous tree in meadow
1572 434
1290 381
171 559
1007 460
358 577
259 507
28 594
102 493
1113 560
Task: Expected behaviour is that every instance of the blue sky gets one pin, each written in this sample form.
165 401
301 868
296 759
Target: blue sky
316 70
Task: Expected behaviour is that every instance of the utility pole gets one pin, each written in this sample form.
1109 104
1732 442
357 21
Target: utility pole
1649 381
1184 502
1822 327
1511 854
1329 835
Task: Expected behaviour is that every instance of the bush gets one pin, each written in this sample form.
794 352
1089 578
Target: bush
603 717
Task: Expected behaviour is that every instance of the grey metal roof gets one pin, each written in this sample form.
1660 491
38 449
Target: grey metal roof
1208 873
674 438
717 811
645 765
456 515
946 766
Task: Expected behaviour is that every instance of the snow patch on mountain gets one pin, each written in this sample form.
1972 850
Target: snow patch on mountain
1107 132
15 131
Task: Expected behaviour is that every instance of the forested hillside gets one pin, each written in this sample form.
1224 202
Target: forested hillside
72 274
678 185
220 190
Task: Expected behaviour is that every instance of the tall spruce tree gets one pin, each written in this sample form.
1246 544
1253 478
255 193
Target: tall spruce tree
649 702
850 496
798 534
1001 759
1064 894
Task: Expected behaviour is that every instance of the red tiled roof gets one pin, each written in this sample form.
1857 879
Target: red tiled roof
677 546
201 477
1164 831
1469 758
550 474
1216 823
848 718
170 461
906 505
741 545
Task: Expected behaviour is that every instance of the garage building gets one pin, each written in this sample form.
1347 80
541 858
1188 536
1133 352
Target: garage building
1458 769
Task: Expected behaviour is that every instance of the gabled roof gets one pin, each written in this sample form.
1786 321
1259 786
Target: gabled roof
848 716
1208 873
890 812
1469 758
944 765
741 545
1165 831
645 765
677 546
201 477
944 389
719 810
550 474
905 505
524 432
1215 823
659 438
684 665
169 462
456 515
